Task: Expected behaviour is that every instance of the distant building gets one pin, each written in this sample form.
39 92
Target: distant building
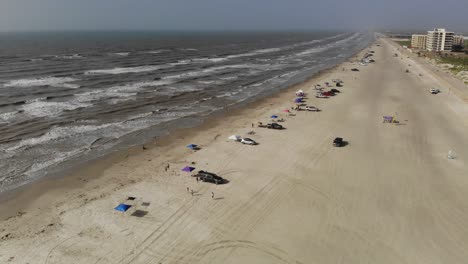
458 40
418 41
439 40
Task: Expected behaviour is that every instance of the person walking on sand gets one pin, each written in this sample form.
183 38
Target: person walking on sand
197 179
188 189
191 191
212 195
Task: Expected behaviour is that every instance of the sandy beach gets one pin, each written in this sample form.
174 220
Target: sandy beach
389 196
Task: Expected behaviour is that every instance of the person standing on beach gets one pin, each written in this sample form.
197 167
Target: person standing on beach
191 191
212 195
188 189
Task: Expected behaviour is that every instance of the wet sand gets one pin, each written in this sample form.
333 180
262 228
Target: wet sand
389 196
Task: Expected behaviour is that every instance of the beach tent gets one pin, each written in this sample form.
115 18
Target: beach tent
122 207
188 169
388 119
192 146
274 116
298 100
235 137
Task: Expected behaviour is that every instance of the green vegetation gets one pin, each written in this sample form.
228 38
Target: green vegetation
406 43
465 44
459 64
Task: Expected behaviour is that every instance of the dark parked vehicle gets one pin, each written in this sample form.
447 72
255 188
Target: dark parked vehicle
339 84
354 69
335 90
274 126
338 142
205 176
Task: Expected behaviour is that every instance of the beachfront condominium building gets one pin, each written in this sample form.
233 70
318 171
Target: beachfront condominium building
439 40
418 41
458 40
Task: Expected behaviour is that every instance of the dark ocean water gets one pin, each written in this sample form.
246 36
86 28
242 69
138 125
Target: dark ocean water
79 95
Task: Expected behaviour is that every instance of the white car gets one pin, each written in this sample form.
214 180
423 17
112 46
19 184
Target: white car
435 91
248 141
312 108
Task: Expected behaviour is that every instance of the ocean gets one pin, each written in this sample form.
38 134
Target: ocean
68 97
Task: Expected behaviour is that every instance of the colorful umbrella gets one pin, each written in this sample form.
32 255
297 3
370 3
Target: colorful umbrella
298 100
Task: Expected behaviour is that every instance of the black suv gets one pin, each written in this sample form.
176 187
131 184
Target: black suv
274 126
205 176
338 142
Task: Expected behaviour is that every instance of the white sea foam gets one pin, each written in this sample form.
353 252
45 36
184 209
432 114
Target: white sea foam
55 134
207 71
43 109
6 117
43 81
157 51
119 93
121 53
137 69
56 159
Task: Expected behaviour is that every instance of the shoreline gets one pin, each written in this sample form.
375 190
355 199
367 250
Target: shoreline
18 200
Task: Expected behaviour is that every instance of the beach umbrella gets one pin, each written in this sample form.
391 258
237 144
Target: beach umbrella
286 110
274 116
298 100
191 146
188 169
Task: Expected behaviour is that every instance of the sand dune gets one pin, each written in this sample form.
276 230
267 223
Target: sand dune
389 196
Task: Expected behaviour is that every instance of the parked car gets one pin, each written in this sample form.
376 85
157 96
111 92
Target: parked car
435 91
354 69
205 176
312 108
338 142
248 141
321 95
335 90
274 126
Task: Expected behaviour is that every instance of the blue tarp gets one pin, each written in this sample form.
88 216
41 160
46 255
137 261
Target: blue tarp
122 207
274 116
298 100
191 146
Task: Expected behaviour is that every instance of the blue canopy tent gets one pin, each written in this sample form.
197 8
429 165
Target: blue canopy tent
122 207
192 146
274 116
188 169
298 100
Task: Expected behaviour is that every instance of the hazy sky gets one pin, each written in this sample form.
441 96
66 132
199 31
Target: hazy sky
231 14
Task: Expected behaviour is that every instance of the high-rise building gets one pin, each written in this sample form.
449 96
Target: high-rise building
418 41
439 40
458 40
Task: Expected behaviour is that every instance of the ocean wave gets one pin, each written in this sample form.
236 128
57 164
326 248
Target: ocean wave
207 71
55 134
50 109
123 54
119 93
56 159
6 117
69 57
157 51
44 81
121 70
